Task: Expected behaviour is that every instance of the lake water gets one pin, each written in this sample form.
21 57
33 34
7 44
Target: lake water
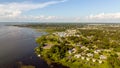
17 45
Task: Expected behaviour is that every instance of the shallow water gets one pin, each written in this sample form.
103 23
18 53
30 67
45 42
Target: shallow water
17 44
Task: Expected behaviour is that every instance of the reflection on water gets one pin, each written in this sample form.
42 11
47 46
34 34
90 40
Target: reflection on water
16 43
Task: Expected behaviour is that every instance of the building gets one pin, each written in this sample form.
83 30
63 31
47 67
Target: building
70 51
100 61
94 60
102 57
87 59
77 55
89 54
39 55
82 58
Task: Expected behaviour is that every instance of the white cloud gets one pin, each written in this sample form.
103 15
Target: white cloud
34 18
12 10
39 18
64 0
101 17
105 16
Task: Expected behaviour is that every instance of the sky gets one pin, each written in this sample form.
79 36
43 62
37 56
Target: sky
59 10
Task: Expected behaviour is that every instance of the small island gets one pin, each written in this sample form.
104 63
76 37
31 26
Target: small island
89 46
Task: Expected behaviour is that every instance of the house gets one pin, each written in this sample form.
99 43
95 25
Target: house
97 51
87 59
79 44
78 35
61 34
89 54
47 46
74 50
100 61
83 47
77 55
94 60
70 32
90 37
107 50
83 53
102 57
39 55
70 51
87 48
82 58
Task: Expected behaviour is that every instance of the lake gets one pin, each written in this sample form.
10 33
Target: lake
17 45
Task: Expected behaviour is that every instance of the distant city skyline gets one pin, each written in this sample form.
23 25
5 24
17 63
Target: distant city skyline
60 11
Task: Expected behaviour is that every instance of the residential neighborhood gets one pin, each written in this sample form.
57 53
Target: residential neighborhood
90 46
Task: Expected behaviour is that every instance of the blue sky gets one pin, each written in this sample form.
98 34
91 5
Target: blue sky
59 10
